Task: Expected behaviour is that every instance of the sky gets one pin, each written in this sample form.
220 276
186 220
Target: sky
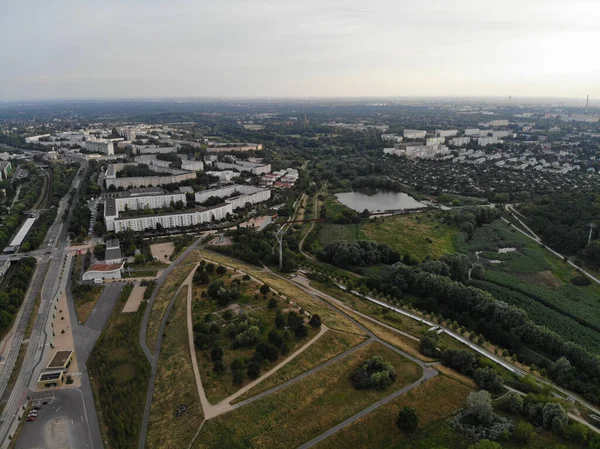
72 49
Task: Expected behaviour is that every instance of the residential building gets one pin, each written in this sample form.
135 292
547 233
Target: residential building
435 141
148 202
103 146
224 175
5 170
414 134
460 141
244 166
168 221
472 132
483 141
246 194
446 132
35 138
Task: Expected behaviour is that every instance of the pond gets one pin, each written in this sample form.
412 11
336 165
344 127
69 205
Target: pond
379 202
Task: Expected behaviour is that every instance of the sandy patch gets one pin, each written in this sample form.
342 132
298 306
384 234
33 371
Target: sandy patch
220 240
135 299
56 434
257 222
541 278
160 250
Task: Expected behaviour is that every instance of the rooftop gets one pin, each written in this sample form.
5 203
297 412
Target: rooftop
60 359
112 254
112 243
105 267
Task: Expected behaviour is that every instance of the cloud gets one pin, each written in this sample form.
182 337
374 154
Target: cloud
74 49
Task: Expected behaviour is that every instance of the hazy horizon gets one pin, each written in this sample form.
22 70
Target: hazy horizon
67 50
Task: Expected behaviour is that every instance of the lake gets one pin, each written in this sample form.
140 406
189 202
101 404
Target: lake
378 202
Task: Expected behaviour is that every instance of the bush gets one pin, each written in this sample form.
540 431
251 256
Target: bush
488 379
315 321
581 281
429 344
523 432
216 353
408 420
254 370
374 373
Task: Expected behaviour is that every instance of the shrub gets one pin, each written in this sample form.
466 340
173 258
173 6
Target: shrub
488 379
408 420
374 373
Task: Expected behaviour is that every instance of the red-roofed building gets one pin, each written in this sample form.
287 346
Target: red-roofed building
104 271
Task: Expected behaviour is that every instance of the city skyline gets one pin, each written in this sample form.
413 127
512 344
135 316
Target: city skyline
266 49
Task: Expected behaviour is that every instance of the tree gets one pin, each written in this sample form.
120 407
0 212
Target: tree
219 367
201 277
216 353
523 432
99 252
315 321
253 370
294 320
238 376
246 278
478 272
408 420
279 320
577 433
264 289
272 304
488 379
512 403
301 331
479 405
210 268
221 270
554 417
429 344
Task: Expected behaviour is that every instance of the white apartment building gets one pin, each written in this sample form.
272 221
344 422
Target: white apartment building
414 134
150 159
418 151
391 138
247 194
435 141
100 146
446 132
153 149
148 202
127 132
224 175
500 134
241 166
183 219
499 123
483 141
472 132
145 181
460 141
35 138
192 165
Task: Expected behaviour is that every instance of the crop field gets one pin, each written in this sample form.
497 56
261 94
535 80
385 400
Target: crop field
305 409
327 347
175 386
378 429
419 235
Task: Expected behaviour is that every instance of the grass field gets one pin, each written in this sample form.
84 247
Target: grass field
175 386
119 374
163 297
305 409
419 235
327 347
434 401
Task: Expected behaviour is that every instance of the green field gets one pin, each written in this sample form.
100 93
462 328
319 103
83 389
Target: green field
419 235
305 409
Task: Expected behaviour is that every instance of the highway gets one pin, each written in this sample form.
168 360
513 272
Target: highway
45 282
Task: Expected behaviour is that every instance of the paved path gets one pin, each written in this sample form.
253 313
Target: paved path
426 376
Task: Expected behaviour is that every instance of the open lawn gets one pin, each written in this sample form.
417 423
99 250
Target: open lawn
163 297
435 401
327 347
419 235
305 409
175 386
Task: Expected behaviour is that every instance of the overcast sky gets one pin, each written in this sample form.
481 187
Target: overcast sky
251 48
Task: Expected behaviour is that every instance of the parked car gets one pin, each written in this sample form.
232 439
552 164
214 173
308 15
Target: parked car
31 418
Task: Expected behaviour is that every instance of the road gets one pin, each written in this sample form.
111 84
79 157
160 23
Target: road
45 283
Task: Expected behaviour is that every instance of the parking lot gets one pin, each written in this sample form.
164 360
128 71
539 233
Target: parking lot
61 422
